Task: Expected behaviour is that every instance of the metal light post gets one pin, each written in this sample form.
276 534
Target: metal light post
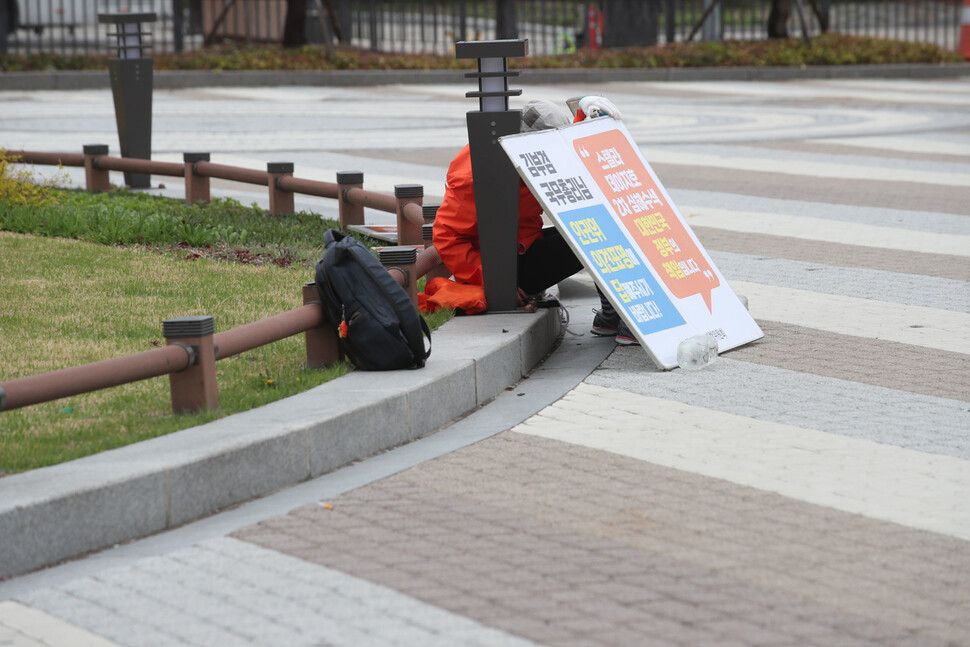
713 29
131 86
495 179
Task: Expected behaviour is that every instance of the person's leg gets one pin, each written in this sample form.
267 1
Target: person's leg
607 323
550 260
606 319
547 262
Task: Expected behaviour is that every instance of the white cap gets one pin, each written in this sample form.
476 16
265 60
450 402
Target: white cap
540 114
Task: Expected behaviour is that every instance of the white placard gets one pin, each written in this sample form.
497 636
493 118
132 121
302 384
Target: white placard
604 198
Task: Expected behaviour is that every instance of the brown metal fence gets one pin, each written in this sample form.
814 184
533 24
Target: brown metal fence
69 27
188 358
193 347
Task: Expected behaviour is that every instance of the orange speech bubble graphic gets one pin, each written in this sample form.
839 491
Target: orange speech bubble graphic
650 220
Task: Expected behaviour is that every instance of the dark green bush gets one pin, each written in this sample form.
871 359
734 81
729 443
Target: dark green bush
827 49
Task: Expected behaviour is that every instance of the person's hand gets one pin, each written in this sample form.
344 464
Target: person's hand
523 301
595 106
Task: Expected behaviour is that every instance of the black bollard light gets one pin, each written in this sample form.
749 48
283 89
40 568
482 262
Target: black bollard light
495 179
131 86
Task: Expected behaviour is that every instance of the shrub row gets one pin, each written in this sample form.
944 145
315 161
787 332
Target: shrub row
827 49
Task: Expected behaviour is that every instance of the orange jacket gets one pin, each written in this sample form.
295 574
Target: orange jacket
444 293
456 223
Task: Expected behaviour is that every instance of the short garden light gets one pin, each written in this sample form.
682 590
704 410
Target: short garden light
496 180
131 86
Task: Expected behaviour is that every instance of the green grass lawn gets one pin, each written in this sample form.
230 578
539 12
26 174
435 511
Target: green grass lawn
89 277
69 302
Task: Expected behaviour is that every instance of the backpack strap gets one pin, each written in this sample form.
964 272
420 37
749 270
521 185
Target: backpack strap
423 353
417 346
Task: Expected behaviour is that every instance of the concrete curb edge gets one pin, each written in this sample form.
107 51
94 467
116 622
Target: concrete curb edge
64 511
174 79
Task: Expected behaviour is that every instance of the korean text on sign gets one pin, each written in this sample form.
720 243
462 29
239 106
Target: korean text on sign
607 252
653 225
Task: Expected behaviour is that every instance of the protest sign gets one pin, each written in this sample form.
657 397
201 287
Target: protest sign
617 217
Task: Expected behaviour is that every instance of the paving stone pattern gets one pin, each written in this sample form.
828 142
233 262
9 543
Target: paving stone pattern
225 592
891 216
566 545
928 371
834 254
893 287
807 489
783 395
781 186
881 481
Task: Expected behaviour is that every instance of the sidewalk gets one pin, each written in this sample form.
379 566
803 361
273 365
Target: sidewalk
807 489
64 511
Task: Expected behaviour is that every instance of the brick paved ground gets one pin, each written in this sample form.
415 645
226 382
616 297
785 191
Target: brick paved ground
807 489
568 545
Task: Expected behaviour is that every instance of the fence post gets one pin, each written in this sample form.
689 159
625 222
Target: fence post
823 14
438 268
350 214
670 22
408 233
713 28
279 201
95 179
196 186
321 342
403 260
194 388
429 211
372 24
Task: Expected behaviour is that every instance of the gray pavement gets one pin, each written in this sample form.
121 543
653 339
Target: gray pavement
810 488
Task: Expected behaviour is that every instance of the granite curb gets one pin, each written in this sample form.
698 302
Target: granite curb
60 512
175 79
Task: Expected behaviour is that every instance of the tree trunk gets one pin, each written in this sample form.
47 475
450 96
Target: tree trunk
630 23
294 29
6 23
506 25
778 18
343 19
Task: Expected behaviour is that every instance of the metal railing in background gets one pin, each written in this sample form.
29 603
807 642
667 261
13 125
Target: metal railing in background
69 27
434 26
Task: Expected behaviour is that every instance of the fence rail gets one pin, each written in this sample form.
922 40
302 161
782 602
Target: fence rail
192 390
278 178
193 347
433 26
66 382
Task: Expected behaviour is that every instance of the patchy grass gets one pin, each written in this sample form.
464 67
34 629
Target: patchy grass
69 302
87 277
223 228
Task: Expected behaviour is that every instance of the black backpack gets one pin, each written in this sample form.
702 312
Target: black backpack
379 329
